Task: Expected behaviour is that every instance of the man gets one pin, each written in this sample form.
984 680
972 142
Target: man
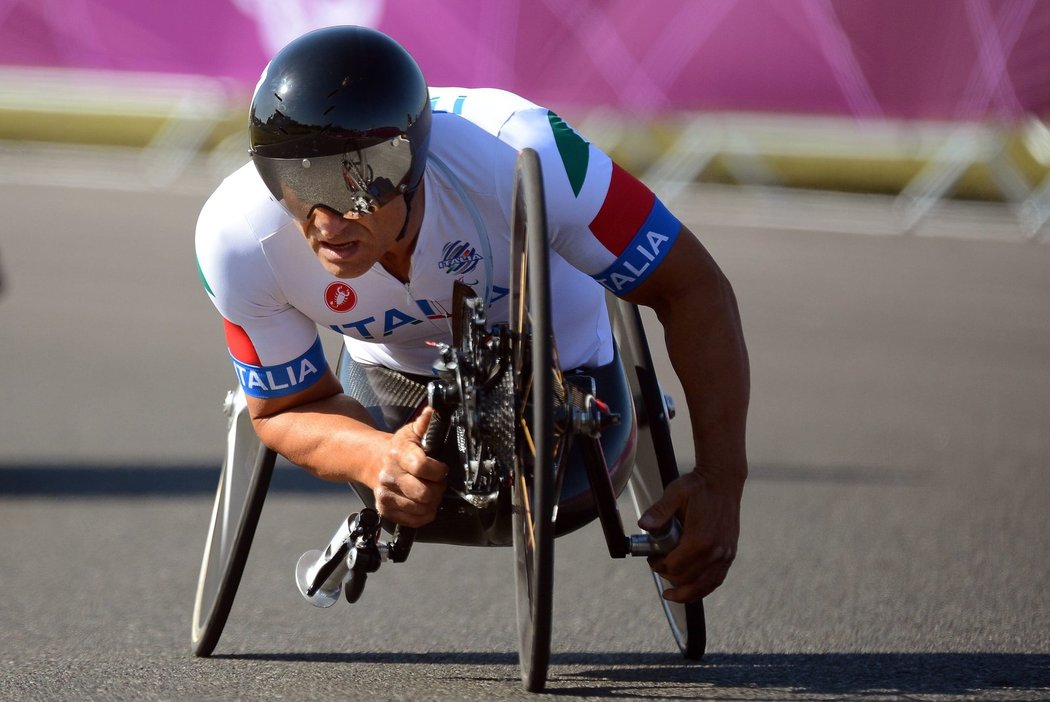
369 194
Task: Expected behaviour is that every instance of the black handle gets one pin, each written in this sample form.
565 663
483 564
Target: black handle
433 440
436 431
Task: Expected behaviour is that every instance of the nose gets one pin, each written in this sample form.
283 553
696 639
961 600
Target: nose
331 222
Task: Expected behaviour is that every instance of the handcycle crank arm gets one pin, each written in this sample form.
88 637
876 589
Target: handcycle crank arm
620 545
320 575
354 550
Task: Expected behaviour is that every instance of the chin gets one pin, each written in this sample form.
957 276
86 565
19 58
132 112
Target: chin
343 272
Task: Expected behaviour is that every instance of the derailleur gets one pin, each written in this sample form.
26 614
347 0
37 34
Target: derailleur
354 551
469 381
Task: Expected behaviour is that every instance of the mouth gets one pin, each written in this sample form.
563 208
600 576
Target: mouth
339 251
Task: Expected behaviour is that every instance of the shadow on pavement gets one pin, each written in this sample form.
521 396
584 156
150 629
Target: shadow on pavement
849 675
103 481
60 480
852 675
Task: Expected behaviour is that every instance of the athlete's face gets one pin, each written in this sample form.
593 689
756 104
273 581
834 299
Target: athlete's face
348 245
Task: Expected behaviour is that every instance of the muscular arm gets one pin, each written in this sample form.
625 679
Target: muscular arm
324 431
697 308
332 436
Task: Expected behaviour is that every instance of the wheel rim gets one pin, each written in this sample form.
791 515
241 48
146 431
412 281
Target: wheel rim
243 482
532 363
687 622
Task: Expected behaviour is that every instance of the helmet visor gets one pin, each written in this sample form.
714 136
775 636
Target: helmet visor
359 180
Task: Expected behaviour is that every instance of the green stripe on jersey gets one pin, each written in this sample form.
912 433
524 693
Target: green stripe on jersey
204 280
573 149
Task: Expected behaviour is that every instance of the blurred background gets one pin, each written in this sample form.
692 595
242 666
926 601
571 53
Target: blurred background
923 101
872 175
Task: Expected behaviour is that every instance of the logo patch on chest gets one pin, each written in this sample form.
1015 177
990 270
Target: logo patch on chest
459 258
340 297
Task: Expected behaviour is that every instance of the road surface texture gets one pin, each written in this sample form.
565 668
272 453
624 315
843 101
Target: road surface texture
895 541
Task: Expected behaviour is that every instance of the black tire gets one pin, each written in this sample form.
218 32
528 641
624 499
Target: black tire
655 468
533 493
243 482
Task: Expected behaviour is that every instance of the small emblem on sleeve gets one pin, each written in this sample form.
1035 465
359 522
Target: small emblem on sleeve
459 258
340 297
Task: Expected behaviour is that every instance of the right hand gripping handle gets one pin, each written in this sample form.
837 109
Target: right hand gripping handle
433 439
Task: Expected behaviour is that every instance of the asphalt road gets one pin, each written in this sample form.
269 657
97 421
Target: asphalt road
895 541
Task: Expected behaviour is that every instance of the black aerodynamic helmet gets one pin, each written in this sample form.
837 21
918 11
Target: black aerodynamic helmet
340 118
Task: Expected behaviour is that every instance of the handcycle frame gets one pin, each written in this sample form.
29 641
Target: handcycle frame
532 482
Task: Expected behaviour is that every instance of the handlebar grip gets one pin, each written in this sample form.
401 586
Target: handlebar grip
435 433
401 544
433 439
656 543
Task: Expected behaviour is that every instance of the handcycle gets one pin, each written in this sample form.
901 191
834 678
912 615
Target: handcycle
514 429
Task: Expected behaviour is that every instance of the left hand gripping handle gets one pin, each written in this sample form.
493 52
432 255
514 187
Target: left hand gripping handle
433 439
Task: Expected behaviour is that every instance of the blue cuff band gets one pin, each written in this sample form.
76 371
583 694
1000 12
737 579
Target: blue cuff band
645 252
284 379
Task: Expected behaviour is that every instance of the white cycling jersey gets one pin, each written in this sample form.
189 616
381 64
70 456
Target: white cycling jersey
273 292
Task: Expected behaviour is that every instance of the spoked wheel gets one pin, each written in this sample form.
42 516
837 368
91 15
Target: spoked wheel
243 483
534 388
655 468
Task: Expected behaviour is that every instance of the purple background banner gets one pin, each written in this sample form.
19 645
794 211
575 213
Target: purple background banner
930 59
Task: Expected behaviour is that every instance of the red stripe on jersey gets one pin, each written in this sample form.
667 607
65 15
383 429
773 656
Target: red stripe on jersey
240 345
627 205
